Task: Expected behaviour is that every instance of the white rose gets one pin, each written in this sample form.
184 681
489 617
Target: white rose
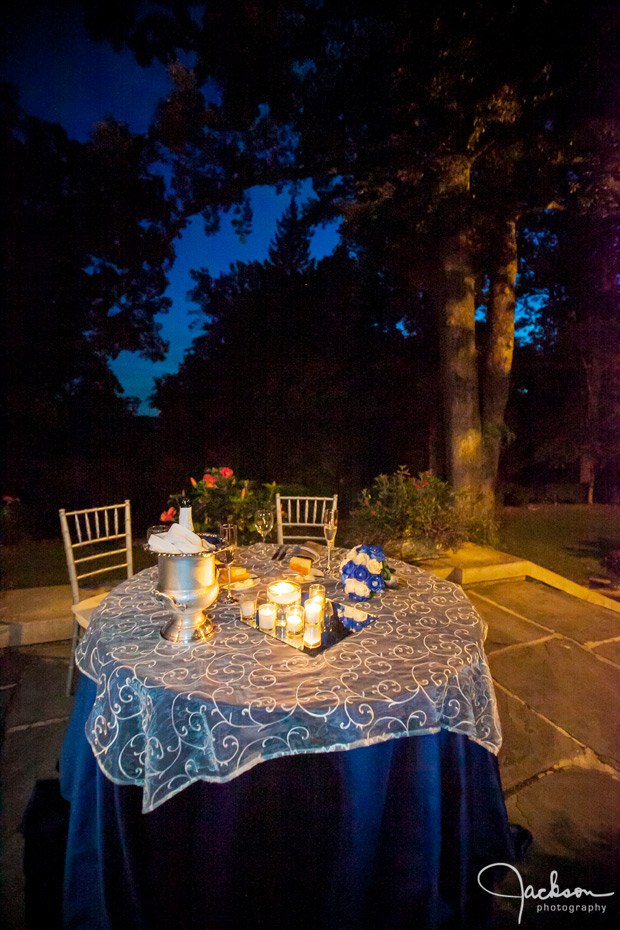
352 586
374 567
361 558
355 613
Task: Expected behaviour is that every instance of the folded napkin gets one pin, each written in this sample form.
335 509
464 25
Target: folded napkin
178 540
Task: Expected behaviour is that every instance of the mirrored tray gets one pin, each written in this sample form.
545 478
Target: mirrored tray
334 628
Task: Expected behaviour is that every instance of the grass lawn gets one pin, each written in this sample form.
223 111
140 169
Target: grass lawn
41 562
570 539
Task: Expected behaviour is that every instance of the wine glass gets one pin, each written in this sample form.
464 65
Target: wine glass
330 527
263 520
159 529
228 533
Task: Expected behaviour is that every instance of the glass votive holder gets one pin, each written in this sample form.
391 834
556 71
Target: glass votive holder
317 591
159 530
312 635
294 620
313 610
283 594
267 616
247 608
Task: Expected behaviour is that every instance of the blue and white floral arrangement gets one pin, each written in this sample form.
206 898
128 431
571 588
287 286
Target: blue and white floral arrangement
364 572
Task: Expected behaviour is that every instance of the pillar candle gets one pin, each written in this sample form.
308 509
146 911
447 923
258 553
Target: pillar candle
266 616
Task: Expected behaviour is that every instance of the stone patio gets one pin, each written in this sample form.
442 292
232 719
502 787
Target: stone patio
555 664
555 659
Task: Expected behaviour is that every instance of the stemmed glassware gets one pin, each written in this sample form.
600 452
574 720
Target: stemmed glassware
330 527
159 529
263 520
228 533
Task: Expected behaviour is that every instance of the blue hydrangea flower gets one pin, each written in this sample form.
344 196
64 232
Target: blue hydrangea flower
376 552
348 570
365 549
361 573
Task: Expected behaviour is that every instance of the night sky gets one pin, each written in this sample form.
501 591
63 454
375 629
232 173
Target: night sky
65 77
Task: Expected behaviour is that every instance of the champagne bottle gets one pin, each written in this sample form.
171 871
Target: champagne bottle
185 514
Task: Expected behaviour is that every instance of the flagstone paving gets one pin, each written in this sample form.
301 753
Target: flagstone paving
566 683
505 627
556 664
609 650
538 602
559 703
32 686
573 816
531 744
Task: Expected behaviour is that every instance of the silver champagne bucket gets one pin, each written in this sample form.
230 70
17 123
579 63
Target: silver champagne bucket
187 585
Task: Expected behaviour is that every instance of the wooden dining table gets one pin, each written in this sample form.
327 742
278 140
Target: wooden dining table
243 783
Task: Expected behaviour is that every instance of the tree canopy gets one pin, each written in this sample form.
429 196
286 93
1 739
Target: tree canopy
439 132
295 373
458 142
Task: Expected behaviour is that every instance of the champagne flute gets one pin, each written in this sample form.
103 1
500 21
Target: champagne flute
263 520
228 533
330 527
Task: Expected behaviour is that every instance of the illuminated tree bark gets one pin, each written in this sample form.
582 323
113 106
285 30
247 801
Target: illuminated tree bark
497 356
459 376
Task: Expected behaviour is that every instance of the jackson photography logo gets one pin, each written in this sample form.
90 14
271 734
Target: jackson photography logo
547 898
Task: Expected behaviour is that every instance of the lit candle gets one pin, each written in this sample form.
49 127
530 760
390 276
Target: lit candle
314 610
247 605
294 620
317 591
312 635
284 592
266 616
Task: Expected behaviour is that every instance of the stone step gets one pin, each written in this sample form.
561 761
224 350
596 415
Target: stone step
552 609
473 565
35 615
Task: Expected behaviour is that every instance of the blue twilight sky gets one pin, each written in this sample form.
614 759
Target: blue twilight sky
65 77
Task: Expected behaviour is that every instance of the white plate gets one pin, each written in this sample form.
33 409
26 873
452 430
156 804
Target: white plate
301 579
241 585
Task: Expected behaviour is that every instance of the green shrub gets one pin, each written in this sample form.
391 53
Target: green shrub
422 510
514 495
220 497
612 561
418 517
560 492
11 521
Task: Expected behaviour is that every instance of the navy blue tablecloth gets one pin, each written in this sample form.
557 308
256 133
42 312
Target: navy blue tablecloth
380 838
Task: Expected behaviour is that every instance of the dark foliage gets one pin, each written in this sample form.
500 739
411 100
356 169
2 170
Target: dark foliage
87 242
297 375
431 129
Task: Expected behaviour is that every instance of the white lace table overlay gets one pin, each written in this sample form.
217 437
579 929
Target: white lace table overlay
167 715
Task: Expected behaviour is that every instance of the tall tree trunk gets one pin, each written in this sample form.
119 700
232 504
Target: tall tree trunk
459 373
596 308
594 384
496 362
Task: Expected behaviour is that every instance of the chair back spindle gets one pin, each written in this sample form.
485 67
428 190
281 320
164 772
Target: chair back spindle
299 518
97 540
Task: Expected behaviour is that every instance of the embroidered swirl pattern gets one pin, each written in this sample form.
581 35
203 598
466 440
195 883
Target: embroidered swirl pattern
167 715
